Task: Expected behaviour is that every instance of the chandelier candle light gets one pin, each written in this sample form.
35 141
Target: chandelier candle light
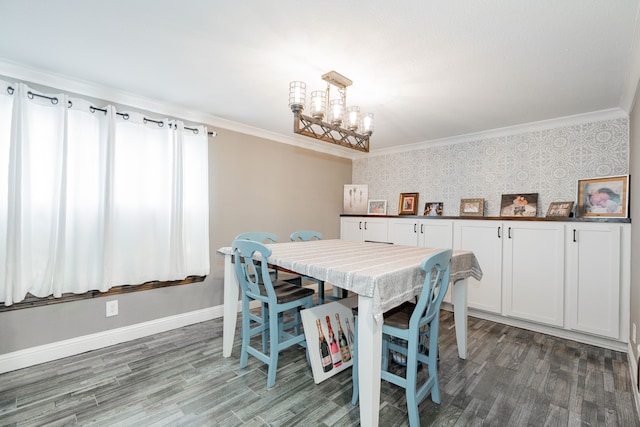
358 128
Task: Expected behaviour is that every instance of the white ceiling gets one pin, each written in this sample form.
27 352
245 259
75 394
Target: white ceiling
427 69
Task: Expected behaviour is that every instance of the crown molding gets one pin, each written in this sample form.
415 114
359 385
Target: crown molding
577 119
84 88
21 72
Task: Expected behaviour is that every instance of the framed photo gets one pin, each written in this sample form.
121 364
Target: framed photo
355 199
330 333
433 208
471 207
560 209
408 204
377 207
519 205
604 197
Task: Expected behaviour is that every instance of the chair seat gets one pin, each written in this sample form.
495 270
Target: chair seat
286 291
399 316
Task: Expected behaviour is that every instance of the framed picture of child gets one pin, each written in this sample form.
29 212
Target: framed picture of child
605 197
519 205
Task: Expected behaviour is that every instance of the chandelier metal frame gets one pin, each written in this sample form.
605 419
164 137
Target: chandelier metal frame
317 128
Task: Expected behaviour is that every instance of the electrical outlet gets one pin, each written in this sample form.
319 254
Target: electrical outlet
112 308
633 333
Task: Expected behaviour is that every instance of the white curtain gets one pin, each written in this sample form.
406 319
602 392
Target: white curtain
91 199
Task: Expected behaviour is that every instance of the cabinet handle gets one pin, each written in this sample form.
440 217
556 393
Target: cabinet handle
421 228
360 225
365 225
509 232
574 235
499 233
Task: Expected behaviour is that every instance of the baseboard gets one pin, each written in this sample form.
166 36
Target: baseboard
633 371
549 330
57 350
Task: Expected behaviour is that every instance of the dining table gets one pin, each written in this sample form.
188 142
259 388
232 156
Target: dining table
382 275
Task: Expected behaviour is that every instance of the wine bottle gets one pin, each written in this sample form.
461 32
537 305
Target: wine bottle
342 340
325 356
349 332
336 358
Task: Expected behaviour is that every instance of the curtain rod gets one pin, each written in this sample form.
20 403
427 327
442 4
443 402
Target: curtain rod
54 101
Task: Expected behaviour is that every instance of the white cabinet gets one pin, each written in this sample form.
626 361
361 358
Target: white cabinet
533 271
594 278
570 276
522 266
428 233
435 233
360 229
484 238
403 231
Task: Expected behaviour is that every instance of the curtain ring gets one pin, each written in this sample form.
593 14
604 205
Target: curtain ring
10 90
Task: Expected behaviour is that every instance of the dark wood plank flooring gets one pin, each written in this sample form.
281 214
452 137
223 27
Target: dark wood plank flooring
512 377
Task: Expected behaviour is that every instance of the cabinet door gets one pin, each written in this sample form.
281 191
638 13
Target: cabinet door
403 231
375 229
594 278
533 265
435 233
484 238
351 228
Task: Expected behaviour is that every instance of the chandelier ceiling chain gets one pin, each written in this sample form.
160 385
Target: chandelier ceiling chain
358 127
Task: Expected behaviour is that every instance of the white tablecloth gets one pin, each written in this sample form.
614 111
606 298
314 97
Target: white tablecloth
390 274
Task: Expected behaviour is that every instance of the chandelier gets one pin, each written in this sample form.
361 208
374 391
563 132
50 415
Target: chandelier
345 126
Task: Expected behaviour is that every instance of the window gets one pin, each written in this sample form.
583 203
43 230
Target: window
92 198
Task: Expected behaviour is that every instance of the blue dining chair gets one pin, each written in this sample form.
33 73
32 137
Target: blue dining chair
305 236
408 322
256 285
267 237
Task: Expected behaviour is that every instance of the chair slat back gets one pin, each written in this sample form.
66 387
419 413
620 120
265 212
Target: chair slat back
305 235
258 286
258 236
437 268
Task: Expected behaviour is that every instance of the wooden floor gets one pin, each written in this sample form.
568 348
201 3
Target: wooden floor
512 377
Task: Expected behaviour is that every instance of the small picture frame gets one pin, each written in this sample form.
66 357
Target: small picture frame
433 208
377 207
560 209
519 205
408 204
606 197
471 207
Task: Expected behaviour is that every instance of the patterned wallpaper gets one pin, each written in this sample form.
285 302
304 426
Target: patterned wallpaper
548 162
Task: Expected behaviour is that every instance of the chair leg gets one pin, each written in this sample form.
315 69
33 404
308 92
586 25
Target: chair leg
265 333
274 328
246 326
411 386
433 368
354 368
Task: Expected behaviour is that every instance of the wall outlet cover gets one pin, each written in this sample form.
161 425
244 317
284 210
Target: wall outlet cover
112 308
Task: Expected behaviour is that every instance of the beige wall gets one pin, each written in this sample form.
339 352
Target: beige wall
261 185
